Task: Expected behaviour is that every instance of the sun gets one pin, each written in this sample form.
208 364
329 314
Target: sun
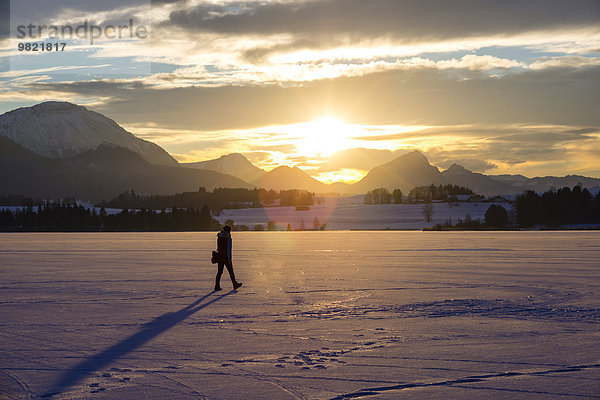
324 137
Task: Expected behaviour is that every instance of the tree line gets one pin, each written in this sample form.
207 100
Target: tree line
553 208
496 217
22 200
64 216
216 200
557 207
417 194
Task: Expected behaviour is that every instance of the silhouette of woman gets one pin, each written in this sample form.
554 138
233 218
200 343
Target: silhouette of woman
224 250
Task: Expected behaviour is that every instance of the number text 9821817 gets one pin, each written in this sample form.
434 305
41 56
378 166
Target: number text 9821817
41 46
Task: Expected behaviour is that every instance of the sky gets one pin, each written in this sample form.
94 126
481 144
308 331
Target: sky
334 87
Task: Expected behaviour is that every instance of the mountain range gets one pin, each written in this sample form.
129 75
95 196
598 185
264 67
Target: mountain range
404 173
99 174
232 164
59 149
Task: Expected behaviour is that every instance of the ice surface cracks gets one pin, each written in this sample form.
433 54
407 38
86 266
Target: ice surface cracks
469 379
463 307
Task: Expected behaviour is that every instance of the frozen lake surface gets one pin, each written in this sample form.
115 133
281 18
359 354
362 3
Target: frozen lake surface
321 315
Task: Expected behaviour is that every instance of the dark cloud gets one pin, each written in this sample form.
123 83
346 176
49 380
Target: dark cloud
478 158
4 19
37 9
552 97
543 135
513 153
522 143
410 20
258 54
161 2
462 131
583 131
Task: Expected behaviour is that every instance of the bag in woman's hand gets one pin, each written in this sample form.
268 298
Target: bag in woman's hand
215 257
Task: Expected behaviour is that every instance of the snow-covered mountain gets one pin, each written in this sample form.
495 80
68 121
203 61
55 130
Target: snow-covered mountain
233 164
61 129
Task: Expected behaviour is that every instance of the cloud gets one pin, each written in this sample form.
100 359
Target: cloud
428 97
42 12
565 62
303 72
479 63
358 159
528 150
487 83
582 131
253 42
410 20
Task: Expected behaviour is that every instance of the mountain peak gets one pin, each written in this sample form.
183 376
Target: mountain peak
284 169
61 129
414 157
233 157
415 153
404 172
46 107
285 177
234 164
456 169
55 106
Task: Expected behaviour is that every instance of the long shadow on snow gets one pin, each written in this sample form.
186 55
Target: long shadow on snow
149 331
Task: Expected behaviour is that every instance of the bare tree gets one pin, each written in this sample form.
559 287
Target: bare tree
428 209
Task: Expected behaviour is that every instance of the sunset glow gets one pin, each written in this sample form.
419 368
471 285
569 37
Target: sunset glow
345 176
323 137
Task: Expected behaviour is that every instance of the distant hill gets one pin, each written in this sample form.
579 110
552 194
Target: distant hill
542 184
98 174
341 188
479 183
413 169
24 172
284 178
405 172
61 130
513 180
233 164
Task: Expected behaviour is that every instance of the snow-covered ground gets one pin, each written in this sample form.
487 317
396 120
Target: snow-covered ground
321 315
351 213
343 214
